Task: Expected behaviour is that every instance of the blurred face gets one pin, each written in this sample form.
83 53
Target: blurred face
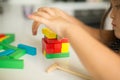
115 15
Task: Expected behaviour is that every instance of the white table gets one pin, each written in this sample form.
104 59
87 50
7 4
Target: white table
12 21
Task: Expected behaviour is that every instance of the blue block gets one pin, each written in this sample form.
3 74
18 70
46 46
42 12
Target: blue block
29 49
6 52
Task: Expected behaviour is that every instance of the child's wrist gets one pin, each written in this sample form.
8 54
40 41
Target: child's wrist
67 31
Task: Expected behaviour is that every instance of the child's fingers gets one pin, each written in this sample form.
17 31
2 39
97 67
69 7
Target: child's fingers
47 10
38 19
35 27
43 14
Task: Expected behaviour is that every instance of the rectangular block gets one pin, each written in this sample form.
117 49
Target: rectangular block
58 55
10 39
52 40
29 49
8 46
51 47
51 36
17 54
1 47
11 63
4 57
46 47
1 39
6 52
57 47
64 40
48 33
65 47
2 35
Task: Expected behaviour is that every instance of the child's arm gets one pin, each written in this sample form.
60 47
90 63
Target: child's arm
92 31
100 61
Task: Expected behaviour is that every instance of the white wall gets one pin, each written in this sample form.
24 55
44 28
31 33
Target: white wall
28 1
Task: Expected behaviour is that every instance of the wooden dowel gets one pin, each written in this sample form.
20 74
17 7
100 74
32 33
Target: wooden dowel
57 66
74 73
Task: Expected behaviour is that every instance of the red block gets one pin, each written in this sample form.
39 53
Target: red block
51 48
57 47
64 40
2 35
52 40
49 51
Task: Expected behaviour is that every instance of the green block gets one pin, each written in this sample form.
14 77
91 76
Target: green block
11 63
4 57
57 55
17 54
1 47
8 46
10 39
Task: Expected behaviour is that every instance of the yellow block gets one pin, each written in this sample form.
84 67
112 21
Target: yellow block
48 33
65 47
1 39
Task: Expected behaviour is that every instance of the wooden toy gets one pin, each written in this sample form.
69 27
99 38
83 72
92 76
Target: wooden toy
7 38
52 47
9 54
6 52
17 54
48 33
29 49
2 35
57 66
11 63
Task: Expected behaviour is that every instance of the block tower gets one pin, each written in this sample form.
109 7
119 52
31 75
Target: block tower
52 47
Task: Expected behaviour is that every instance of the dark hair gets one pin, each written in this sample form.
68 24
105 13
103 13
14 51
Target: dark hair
115 44
104 17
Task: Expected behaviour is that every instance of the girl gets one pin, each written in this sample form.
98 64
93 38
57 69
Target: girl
101 61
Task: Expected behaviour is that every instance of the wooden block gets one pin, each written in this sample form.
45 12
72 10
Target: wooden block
49 34
6 52
17 54
9 39
29 49
11 63
65 47
57 55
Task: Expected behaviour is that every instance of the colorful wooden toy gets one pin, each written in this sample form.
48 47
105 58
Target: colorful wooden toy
29 49
7 38
6 52
48 33
12 63
17 54
52 47
9 54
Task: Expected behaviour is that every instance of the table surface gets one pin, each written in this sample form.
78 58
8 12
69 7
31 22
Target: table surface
13 21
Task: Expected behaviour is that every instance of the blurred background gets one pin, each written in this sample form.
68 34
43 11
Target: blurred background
88 11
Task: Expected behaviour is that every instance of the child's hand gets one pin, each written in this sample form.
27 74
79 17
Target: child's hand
53 18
